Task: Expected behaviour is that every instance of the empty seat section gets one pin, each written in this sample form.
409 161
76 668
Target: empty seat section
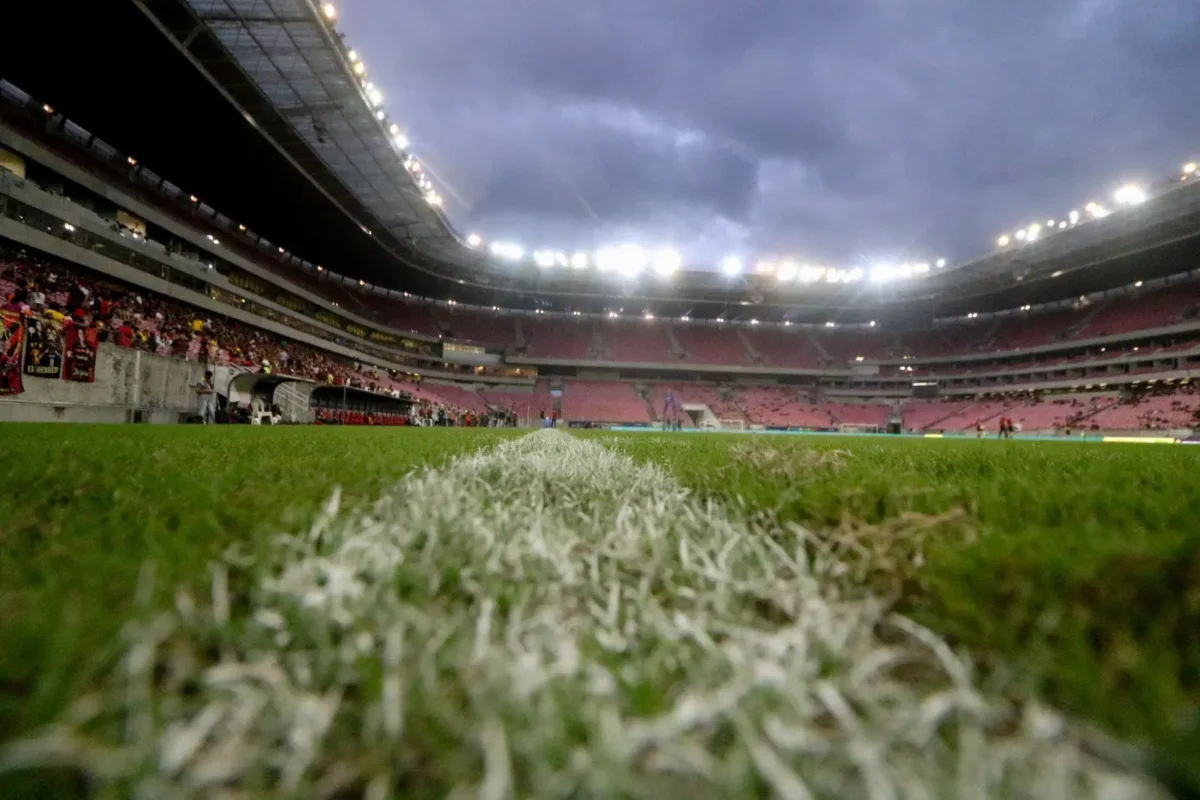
474 327
1157 309
850 345
552 338
782 407
785 349
711 345
636 341
603 401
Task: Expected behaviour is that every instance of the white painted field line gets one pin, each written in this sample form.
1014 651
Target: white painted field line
549 618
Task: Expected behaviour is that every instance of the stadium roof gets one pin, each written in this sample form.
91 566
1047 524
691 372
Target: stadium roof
290 75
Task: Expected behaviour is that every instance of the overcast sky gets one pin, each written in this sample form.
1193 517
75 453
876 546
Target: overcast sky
837 131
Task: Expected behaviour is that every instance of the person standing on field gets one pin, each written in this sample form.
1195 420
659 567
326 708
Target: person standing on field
207 396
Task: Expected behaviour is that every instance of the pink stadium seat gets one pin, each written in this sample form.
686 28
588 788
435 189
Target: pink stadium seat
603 401
705 345
551 338
786 349
475 327
642 341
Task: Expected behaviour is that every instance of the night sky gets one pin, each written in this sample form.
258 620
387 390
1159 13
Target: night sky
841 132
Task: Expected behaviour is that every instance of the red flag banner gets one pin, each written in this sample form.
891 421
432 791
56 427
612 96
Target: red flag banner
79 363
12 347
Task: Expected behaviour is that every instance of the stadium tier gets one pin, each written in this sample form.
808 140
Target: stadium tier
256 306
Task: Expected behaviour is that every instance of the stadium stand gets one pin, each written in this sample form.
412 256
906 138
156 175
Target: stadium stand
560 339
703 345
603 401
636 342
473 328
785 349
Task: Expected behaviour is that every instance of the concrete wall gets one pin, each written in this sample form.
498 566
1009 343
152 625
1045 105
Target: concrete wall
129 384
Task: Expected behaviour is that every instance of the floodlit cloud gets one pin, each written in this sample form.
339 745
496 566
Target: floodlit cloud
838 129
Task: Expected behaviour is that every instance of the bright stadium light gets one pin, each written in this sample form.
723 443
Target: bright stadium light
765 267
1130 195
1035 230
1004 240
920 268
560 259
941 262
474 240
1073 217
434 199
329 10
809 274
373 94
360 69
400 140
631 260
1020 236
731 265
1190 168
787 271
1096 210
1137 285
606 259
543 258
507 250
667 262
579 261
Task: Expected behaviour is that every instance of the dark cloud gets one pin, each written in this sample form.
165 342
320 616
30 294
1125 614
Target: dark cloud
834 129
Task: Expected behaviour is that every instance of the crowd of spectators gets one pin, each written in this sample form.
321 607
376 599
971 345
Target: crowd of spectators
133 318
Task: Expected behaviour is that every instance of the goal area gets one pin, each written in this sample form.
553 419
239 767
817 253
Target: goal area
853 428
732 424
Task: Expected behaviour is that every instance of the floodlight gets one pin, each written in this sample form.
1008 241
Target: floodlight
787 271
329 11
474 240
579 261
507 250
1004 240
731 265
667 261
1130 195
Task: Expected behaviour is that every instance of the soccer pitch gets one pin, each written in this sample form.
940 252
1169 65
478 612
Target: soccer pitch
431 612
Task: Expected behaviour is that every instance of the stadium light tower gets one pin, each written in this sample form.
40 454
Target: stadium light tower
474 240
330 11
731 265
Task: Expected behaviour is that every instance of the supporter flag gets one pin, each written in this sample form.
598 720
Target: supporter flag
43 348
79 363
12 335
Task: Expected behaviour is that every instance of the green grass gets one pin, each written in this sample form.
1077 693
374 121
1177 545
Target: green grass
83 508
1069 572
1073 574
